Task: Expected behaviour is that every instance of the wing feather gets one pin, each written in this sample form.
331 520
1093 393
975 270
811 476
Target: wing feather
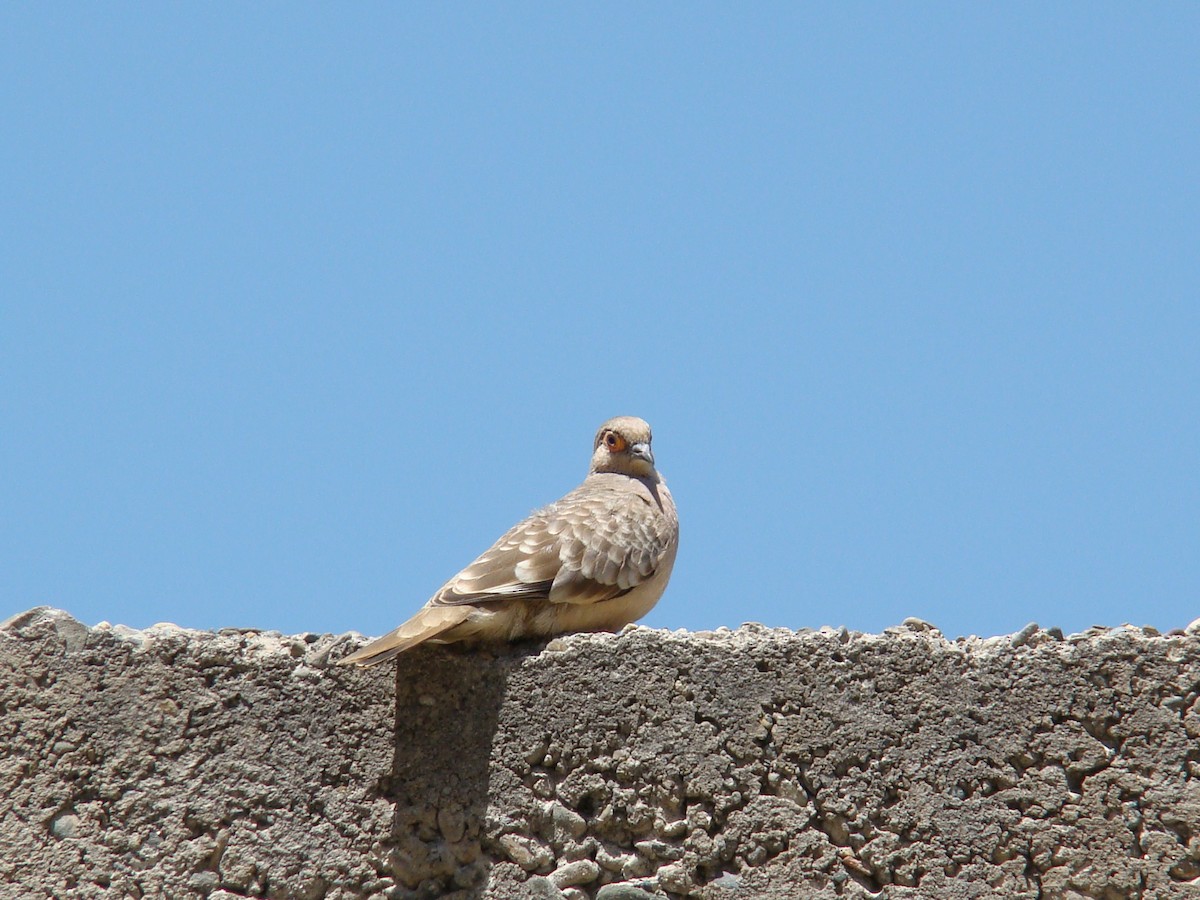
596 543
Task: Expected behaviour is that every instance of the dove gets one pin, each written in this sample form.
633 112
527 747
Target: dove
595 560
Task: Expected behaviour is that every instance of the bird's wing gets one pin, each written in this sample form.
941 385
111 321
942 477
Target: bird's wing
590 546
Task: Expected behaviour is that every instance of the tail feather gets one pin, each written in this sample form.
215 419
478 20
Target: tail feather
428 623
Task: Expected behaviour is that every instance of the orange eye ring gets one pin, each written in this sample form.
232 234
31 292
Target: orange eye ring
614 442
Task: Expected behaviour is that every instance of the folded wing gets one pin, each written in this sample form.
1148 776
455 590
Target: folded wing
588 547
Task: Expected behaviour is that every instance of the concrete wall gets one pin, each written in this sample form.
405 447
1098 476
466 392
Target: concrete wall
730 766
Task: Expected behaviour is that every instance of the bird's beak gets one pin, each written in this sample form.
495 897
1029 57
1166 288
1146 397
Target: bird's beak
641 450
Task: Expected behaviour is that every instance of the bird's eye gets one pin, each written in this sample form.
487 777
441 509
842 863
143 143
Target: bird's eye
614 442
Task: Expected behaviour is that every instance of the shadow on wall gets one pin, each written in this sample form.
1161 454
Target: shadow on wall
440 787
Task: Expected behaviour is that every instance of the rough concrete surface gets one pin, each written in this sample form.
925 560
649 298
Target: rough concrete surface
730 765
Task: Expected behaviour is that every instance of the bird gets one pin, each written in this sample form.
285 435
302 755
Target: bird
594 560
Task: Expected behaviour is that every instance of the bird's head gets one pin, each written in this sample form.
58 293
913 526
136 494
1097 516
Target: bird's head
623 446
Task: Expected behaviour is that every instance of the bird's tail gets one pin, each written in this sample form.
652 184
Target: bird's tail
428 623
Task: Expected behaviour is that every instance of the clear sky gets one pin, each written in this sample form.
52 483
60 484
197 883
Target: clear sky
302 305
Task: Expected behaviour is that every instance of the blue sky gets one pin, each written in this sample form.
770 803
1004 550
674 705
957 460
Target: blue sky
303 305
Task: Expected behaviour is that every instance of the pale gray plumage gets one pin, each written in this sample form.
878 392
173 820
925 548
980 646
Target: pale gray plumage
595 560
